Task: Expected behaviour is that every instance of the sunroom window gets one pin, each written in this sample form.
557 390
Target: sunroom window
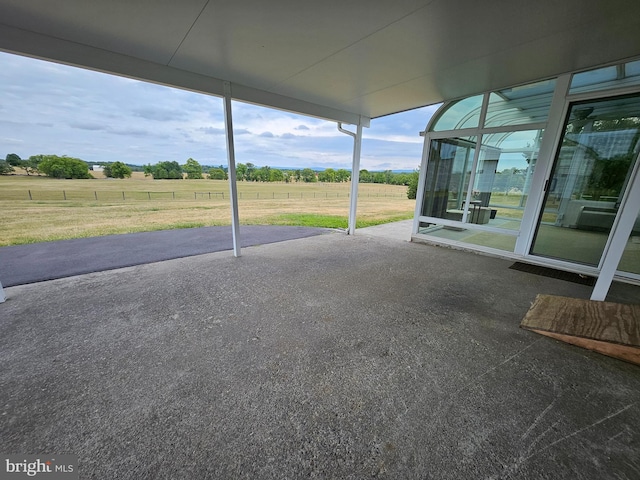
458 115
482 181
526 104
615 76
520 105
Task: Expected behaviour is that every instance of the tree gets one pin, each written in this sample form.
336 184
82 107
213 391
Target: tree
174 170
412 187
5 167
378 177
609 175
241 171
328 175
262 174
508 179
387 177
31 164
116 170
365 176
193 169
308 176
276 175
164 170
217 174
64 167
343 175
13 160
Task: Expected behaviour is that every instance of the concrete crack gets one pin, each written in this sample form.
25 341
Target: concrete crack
577 432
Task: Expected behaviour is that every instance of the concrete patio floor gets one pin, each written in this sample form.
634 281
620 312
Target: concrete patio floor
332 356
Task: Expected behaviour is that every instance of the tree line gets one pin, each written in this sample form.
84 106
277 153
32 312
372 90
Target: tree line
50 165
60 166
69 167
248 172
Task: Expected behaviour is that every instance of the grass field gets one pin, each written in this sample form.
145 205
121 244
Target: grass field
38 209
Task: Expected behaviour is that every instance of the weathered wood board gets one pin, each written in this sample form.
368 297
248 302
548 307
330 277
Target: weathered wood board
609 328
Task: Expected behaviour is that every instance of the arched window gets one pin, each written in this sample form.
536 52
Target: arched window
526 104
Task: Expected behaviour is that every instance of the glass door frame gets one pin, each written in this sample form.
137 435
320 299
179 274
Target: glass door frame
551 143
553 134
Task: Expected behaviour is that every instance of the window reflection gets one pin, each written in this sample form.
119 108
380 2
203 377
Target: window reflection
498 196
590 175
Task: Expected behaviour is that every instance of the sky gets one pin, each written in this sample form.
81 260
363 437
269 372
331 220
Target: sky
53 109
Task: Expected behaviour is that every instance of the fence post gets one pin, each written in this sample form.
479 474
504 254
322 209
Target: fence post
209 195
95 194
64 194
174 195
195 195
149 195
30 197
123 195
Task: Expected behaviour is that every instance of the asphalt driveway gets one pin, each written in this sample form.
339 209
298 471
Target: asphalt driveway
22 264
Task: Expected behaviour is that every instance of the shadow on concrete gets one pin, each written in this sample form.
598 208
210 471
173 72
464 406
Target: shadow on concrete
331 356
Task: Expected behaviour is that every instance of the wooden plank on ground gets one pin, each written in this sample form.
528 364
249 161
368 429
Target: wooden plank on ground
609 328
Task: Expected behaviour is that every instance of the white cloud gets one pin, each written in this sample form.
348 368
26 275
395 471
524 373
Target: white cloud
56 109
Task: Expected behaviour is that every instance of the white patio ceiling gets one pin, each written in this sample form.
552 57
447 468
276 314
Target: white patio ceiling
341 60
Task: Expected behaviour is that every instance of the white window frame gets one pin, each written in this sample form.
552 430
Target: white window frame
478 132
560 103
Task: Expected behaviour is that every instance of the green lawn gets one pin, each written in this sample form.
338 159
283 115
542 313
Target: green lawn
36 209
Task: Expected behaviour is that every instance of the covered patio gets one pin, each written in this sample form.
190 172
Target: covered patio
349 63
333 356
326 357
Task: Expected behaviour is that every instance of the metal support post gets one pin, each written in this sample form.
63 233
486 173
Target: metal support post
629 210
231 157
355 174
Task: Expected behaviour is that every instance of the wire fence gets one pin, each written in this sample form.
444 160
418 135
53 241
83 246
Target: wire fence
126 196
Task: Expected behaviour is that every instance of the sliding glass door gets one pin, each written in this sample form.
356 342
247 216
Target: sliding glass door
590 175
